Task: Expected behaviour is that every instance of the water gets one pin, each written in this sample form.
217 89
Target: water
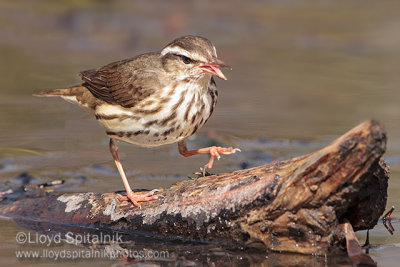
304 72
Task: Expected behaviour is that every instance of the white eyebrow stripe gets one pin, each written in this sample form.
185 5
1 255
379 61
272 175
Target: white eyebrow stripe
175 50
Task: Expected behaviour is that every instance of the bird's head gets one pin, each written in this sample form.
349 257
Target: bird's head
192 57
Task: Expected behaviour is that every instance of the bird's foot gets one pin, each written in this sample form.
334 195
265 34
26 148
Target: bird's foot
215 151
135 198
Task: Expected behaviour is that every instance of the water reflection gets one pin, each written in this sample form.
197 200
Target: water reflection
67 243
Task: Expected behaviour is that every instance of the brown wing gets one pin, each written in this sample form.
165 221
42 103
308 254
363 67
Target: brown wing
121 83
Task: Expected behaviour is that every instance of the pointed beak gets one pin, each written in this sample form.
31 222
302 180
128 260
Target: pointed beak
213 68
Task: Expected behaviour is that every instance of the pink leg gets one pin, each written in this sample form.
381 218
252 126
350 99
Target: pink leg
214 151
130 195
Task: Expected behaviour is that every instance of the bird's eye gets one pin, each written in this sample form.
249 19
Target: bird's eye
186 60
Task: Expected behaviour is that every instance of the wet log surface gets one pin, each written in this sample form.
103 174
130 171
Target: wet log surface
298 205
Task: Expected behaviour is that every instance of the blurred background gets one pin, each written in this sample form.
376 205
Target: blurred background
304 72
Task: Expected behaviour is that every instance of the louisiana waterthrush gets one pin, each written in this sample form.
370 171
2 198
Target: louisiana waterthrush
153 99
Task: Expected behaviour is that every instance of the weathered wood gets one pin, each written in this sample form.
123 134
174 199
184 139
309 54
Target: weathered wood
297 205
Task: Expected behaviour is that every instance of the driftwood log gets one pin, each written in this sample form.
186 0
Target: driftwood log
299 205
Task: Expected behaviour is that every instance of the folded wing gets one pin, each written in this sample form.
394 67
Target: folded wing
123 83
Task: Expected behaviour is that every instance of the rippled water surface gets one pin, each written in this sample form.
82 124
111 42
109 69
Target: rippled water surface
304 72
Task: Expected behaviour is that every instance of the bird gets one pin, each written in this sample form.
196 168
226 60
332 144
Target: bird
153 99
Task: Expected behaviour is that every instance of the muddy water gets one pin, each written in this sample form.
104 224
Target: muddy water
303 73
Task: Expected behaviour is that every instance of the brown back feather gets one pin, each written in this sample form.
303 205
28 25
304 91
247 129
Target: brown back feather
124 83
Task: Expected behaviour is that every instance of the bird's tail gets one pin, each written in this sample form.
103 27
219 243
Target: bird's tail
58 92
78 95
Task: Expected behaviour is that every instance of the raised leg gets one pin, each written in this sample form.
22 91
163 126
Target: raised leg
130 195
214 151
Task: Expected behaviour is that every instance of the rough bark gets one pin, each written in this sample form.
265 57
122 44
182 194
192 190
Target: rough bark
297 205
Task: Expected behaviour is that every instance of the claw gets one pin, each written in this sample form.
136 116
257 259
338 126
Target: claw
228 151
214 151
135 198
